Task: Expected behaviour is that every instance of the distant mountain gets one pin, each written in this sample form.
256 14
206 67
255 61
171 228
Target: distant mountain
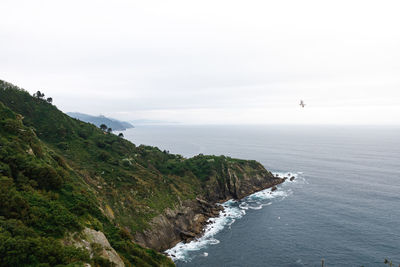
114 124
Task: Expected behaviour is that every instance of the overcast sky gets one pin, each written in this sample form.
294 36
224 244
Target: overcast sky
205 61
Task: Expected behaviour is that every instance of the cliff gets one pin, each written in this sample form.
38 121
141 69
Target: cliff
61 177
188 218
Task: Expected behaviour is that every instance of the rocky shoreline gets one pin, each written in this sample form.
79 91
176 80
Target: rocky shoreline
187 221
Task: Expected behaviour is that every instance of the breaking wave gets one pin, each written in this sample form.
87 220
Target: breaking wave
233 210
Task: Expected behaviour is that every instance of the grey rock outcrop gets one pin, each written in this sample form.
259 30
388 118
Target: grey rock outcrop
97 244
187 221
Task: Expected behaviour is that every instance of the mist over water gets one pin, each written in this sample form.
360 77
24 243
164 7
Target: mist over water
343 205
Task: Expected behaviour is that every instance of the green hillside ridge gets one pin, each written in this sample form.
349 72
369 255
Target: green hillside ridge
42 199
59 176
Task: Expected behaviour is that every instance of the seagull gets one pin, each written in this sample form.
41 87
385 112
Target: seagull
302 103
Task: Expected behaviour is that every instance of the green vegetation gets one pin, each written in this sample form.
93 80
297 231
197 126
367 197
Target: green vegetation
42 198
59 175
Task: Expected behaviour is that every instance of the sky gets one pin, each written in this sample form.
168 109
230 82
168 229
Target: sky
209 62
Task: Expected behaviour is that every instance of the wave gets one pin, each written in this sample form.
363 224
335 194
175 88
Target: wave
233 210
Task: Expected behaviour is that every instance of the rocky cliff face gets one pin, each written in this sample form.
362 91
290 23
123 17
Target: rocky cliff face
96 243
184 222
187 220
237 180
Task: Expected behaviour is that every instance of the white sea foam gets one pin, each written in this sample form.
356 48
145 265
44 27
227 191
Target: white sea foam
299 178
244 206
256 207
226 217
233 210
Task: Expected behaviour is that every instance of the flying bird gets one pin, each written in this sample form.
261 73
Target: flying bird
302 104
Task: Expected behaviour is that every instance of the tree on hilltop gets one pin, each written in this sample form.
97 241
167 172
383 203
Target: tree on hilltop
103 127
38 95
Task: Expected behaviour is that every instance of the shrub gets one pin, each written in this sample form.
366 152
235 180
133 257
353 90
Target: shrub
46 177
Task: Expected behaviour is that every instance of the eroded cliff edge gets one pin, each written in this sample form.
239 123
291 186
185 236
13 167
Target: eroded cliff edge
233 180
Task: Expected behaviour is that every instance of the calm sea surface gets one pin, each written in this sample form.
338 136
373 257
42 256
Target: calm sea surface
344 205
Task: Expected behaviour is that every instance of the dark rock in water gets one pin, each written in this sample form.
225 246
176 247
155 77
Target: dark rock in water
274 188
288 174
276 175
292 178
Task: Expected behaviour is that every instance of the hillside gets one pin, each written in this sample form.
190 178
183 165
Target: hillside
114 124
64 181
45 205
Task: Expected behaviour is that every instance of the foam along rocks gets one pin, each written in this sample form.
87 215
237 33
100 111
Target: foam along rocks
233 210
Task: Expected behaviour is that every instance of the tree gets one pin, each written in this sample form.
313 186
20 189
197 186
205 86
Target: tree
121 135
38 95
109 130
49 100
103 127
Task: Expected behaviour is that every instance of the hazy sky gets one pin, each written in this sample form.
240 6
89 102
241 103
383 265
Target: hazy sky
209 61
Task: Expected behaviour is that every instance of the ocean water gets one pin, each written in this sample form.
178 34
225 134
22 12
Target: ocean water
343 206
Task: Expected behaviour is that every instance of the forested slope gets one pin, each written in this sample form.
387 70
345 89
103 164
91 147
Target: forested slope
63 179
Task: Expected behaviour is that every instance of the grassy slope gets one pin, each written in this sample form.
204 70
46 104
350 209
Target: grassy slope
42 197
92 178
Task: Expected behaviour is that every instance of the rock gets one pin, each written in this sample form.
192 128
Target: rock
186 235
30 151
186 221
96 243
292 178
274 188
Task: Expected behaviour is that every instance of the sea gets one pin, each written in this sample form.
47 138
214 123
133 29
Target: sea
343 207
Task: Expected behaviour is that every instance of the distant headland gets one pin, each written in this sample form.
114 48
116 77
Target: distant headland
114 124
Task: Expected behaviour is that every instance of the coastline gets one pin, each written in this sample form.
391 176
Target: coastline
189 220
226 216
233 179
